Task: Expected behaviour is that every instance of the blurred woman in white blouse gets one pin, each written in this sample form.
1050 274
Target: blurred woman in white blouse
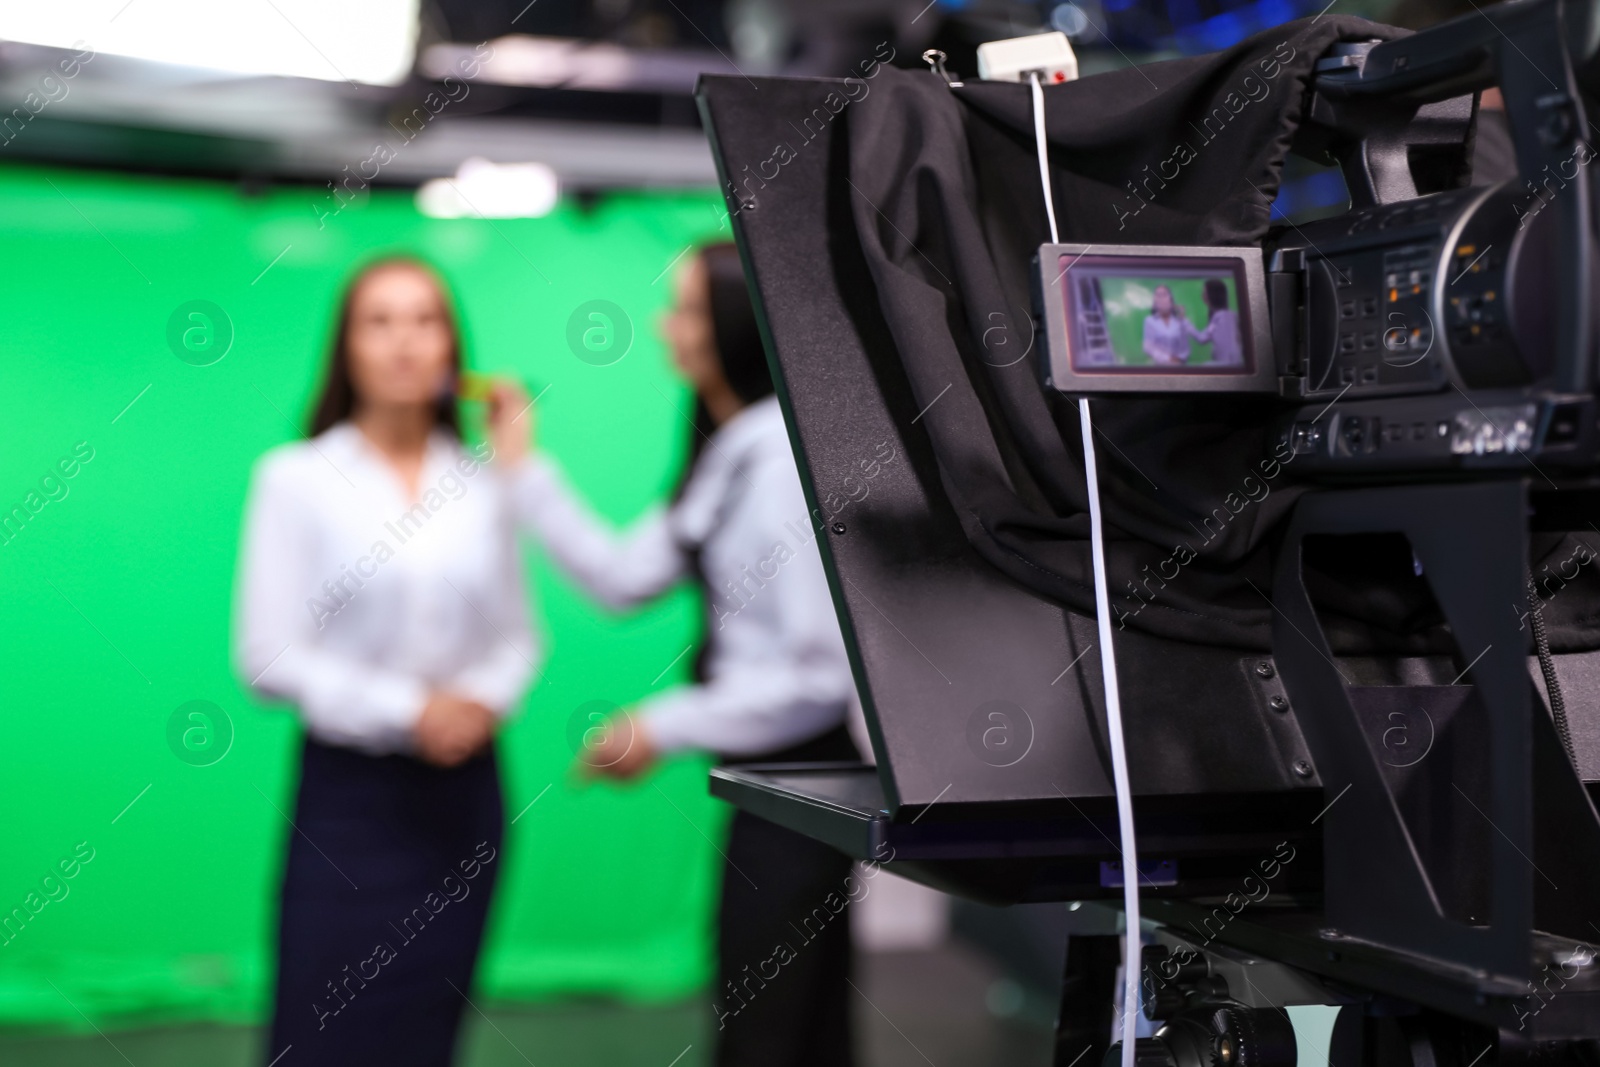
1166 338
772 681
382 595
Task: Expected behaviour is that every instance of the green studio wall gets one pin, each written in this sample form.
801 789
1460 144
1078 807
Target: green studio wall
118 590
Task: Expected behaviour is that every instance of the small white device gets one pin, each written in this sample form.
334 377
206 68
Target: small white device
1014 59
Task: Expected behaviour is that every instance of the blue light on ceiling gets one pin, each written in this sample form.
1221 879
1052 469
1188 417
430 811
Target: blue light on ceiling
1192 26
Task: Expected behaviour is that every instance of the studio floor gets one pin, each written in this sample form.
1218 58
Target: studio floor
942 1007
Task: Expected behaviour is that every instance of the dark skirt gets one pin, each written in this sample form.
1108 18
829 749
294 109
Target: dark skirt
783 989
390 869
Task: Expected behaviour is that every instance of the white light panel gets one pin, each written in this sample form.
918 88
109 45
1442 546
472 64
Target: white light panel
369 41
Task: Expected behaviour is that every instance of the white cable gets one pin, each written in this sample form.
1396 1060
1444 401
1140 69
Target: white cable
1132 952
1131 967
1044 156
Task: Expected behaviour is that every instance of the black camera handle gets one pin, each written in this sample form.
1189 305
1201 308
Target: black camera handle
1540 53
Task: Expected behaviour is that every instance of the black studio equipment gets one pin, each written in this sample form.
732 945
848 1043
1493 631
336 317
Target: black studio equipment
1446 331
1226 576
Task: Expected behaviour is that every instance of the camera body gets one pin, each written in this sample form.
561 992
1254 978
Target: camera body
1421 334
1413 335
1404 336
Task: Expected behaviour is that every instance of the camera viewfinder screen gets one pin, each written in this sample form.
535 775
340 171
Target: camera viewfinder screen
1156 314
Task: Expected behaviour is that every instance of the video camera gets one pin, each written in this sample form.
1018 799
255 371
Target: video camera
1291 850
1448 331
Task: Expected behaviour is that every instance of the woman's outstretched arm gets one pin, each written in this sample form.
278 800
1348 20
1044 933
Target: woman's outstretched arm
619 568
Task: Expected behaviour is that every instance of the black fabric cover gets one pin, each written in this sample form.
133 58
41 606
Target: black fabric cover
946 202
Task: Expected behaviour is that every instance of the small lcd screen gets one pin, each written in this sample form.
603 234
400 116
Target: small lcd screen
1157 315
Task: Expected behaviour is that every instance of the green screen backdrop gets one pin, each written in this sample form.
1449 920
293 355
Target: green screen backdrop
118 585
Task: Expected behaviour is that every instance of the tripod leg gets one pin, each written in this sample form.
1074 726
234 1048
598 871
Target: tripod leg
1088 988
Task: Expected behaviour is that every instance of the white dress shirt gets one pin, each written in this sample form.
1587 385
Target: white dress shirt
1166 340
777 673
356 602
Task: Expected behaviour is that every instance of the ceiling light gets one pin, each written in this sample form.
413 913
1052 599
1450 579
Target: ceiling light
370 41
486 190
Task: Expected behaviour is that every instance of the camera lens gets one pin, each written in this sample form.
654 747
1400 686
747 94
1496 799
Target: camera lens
1232 1036
1253 1037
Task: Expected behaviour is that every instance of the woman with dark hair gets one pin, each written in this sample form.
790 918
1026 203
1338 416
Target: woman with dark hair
772 680
381 593
1222 326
